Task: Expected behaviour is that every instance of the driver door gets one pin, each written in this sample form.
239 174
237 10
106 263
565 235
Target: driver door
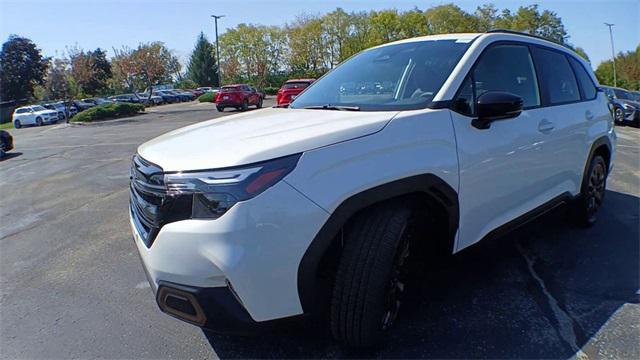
502 168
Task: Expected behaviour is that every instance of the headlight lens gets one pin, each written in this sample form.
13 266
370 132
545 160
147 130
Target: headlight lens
216 191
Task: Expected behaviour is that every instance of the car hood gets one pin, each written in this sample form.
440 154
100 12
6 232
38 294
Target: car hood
257 136
631 102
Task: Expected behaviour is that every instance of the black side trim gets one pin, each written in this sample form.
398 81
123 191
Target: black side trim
429 184
222 311
529 216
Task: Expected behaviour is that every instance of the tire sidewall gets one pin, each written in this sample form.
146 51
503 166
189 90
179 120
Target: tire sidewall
585 218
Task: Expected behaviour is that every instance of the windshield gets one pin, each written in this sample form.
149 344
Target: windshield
397 77
38 108
296 85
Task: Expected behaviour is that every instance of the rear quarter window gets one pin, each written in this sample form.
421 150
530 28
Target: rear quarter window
588 87
558 81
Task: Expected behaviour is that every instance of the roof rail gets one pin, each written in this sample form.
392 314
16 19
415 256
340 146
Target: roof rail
506 31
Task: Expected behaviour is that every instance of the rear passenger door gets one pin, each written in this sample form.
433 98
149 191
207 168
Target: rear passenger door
569 96
502 169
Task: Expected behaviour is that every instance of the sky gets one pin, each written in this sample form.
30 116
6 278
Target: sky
55 25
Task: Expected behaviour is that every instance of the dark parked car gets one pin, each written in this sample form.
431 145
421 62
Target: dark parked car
97 101
167 97
183 95
6 142
130 98
626 107
82 105
239 96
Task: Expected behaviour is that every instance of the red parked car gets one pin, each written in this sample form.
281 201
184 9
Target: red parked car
239 96
290 89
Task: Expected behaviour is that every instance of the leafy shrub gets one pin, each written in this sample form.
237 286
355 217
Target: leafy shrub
206 97
271 90
108 111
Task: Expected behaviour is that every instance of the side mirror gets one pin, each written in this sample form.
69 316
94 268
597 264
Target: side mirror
496 105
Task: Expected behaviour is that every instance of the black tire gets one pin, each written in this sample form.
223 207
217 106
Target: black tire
368 288
245 105
17 124
618 115
39 121
592 192
259 104
220 108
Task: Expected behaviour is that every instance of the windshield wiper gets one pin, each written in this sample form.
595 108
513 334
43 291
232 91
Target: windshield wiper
333 107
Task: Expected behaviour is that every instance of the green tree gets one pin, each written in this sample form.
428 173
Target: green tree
202 63
22 67
450 19
627 70
529 19
413 24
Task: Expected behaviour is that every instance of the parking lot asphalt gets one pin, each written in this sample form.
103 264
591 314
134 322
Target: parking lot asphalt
72 286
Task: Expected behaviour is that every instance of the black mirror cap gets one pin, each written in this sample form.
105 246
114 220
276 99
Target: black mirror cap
498 105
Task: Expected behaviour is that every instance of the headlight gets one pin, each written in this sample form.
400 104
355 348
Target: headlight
628 107
216 191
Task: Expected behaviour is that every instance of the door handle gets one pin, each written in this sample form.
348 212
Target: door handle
588 115
545 126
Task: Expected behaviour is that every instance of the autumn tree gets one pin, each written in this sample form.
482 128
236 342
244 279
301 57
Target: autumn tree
22 67
91 70
142 68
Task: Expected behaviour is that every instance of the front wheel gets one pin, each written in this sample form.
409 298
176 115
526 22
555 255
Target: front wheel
592 192
39 121
245 105
371 275
220 108
259 104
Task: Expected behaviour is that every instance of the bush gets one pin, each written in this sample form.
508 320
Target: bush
271 90
206 97
108 111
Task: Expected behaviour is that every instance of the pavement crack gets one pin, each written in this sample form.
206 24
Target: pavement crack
563 320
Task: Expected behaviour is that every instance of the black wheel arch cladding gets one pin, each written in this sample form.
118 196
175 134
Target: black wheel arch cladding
429 184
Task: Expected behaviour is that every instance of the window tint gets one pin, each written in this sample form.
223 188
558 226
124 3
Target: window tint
507 68
22 111
588 89
465 101
557 77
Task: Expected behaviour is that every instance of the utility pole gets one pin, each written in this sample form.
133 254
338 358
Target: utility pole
613 54
215 19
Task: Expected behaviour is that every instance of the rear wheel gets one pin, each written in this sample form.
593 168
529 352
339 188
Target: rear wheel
259 104
371 275
39 121
220 108
618 115
592 192
17 124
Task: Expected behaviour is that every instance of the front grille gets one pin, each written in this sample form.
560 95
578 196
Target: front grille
150 206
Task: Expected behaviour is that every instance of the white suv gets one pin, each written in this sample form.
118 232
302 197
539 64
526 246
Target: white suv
405 149
33 115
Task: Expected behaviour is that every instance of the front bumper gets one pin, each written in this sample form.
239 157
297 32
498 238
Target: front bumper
250 254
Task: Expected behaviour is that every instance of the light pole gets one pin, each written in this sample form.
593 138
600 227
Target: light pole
613 54
215 19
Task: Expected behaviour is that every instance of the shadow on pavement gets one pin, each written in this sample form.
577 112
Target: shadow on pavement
540 292
10 155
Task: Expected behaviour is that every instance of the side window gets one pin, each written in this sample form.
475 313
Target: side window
465 101
21 111
507 68
586 84
558 80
